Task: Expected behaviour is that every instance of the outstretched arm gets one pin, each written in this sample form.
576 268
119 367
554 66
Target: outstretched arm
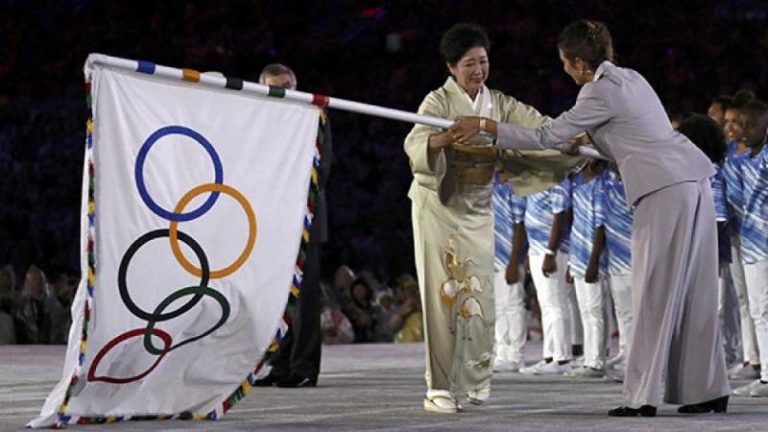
591 110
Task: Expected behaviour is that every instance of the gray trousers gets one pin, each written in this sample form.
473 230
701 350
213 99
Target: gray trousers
676 334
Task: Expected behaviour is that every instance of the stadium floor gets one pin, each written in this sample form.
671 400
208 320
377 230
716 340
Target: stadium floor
380 387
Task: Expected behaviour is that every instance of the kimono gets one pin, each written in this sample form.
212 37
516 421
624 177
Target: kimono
453 232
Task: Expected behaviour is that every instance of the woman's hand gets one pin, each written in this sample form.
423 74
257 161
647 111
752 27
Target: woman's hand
465 128
440 141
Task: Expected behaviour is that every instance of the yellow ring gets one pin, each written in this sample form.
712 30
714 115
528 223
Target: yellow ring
252 228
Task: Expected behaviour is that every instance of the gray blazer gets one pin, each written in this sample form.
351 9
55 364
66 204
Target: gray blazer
627 123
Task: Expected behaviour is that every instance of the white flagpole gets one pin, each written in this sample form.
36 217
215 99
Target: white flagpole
292 95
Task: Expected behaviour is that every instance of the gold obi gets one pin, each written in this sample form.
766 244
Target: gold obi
473 169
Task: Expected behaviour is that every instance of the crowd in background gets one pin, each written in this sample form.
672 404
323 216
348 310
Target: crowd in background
376 52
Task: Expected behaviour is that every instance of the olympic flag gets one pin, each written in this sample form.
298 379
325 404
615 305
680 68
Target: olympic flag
195 204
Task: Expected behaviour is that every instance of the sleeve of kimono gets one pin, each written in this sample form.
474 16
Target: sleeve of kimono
417 141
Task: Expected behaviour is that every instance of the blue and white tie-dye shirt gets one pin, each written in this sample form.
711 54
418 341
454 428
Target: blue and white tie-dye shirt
618 227
731 174
508 210
540 210
754 224
589 213
718 194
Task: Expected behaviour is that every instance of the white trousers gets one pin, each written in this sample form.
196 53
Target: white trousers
511 329
756 275
730 317
621 296
591 301
748 336
577 327
553 300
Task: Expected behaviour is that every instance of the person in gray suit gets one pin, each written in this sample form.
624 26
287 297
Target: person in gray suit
674 236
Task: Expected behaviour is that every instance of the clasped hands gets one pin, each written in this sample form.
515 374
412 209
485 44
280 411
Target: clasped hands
465 128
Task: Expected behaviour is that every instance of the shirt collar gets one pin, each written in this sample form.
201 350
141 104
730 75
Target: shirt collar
601 69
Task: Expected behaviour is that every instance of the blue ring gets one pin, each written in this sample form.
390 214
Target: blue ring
139 173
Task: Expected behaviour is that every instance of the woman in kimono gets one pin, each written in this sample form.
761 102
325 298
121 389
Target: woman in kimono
674 237
453 222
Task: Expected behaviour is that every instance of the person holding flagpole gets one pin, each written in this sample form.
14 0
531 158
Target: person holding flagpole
297 362
453 222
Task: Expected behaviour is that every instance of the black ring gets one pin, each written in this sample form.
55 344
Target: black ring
123 286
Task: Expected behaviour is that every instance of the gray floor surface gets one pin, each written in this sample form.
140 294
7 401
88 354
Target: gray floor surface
380 387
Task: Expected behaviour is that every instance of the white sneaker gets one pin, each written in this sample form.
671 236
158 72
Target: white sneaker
744 372
441 401
553 368
478 397
747 389
532 369
508 366
585 372
577 362
759 390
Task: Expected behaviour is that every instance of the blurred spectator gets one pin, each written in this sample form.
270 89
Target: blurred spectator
387 317
31 314
335 325
342 282
59 305
411 327
360 310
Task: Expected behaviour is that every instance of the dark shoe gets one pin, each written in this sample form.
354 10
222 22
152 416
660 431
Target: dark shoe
294 381
719 405
267 381
644 411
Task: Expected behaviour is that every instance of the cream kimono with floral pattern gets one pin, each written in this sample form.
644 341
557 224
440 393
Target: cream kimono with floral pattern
453 235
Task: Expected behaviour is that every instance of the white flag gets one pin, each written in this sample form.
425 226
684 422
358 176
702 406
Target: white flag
194 205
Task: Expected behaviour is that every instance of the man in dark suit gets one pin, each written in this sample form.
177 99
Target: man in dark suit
297 362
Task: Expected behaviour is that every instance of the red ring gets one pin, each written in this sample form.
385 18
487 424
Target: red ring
111 344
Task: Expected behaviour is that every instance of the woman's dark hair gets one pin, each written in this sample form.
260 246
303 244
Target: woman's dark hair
741 98
706 134
588 40
461 38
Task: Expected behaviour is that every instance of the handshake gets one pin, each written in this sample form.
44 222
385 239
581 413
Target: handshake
464 129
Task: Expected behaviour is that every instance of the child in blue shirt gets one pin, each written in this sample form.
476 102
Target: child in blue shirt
586 262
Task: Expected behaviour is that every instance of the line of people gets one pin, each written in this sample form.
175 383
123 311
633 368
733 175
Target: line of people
575 240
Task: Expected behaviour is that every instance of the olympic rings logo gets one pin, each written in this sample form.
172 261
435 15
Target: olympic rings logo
174 235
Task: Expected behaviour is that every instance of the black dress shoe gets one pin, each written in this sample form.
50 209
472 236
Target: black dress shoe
644 411
294 381
267 381
719 405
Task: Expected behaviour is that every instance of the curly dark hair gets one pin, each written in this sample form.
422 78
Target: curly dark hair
461 38
705 134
